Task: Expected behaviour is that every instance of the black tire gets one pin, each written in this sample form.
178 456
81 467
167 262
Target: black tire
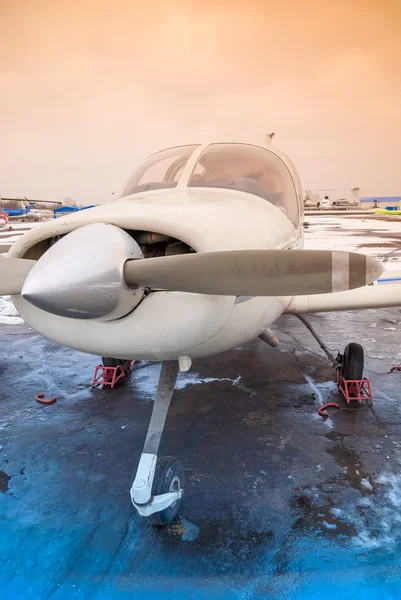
117 362
353 362
169 476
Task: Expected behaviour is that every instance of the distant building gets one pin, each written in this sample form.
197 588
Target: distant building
386 202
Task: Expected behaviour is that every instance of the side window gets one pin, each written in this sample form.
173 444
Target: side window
249 169
164 171
161 170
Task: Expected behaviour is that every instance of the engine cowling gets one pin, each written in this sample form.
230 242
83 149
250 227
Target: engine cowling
81 275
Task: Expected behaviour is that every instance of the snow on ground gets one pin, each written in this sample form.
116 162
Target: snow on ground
378 237
8 314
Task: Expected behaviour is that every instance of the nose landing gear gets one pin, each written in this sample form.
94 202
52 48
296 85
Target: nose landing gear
158 484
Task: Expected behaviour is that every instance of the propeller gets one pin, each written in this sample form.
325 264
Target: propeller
256 272
98 272
236 272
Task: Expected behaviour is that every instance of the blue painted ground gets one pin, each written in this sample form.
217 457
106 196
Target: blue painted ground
279 505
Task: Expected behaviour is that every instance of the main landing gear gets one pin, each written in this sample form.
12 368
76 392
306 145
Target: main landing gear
349 365
349 368
158 485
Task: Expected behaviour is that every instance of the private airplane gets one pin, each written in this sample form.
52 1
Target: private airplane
202 252
14 213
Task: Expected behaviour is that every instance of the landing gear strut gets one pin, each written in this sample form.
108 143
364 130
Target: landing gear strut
350 364
158 484
349 367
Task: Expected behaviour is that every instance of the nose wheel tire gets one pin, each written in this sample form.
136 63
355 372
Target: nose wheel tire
117 362
169 477
352 362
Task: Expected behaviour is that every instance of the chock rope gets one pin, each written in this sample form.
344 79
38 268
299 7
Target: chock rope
41 398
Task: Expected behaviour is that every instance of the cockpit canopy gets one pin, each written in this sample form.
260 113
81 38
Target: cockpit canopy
230 166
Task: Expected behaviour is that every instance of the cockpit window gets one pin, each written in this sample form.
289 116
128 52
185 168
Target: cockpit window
248 169
160 170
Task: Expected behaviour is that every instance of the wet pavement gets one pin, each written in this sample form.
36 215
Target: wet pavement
280 504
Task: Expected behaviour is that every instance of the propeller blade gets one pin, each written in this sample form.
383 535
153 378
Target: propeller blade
13 272
256 272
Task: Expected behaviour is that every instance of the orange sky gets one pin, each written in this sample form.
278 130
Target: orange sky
90 87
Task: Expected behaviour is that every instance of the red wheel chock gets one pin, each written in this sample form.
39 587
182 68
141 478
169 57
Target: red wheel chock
41 398
355 389
105 376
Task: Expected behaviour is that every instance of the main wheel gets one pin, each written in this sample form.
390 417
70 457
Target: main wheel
353 362
117 362
169 477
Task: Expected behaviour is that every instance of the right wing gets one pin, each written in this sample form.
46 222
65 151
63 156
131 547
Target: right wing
386 293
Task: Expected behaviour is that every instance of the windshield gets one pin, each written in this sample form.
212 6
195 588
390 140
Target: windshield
250 169
160 170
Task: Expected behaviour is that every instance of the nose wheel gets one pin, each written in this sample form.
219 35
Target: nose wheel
169 478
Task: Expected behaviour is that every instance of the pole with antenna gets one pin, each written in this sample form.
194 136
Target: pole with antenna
269 137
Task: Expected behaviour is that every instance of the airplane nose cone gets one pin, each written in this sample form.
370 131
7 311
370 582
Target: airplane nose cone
81 276
65 294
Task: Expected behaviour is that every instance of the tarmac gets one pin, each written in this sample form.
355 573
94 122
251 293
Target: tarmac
279 504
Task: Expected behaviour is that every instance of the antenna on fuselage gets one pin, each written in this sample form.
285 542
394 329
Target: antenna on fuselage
269 137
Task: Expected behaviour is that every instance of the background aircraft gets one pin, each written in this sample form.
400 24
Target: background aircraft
202 252
20 212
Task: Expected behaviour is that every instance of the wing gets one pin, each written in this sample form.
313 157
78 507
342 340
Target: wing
386 294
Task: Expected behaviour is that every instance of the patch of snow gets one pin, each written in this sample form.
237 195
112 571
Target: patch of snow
147 383
193 379
387 513
365 483
328 385
314 387
8 314
392 483
364 501
369 541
